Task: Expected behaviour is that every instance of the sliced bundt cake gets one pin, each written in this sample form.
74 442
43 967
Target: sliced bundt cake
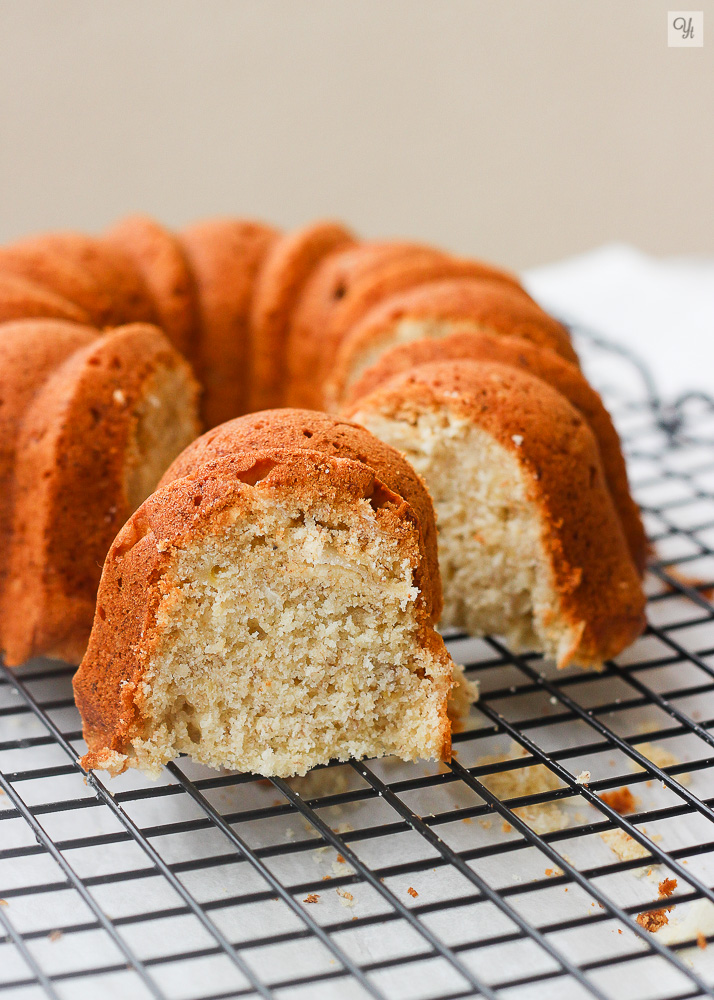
546 365
530 544
315 431
265 611
435 310
91 423
345 286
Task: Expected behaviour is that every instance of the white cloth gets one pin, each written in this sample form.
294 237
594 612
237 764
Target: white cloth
661 308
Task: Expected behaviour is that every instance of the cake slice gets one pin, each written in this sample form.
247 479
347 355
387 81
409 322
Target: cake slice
546 365
93 422
266 612
530 545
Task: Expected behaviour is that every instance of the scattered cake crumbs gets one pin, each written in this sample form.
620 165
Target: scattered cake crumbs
327 878
412 892
346 898
623 845
542 817
661 757
4 902
620 799
652 920
485 824
583 778
667 887
553 872
341 859
312 897
701 941
506 827
466 819
54 935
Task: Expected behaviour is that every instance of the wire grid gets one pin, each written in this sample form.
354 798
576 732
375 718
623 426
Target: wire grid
500 875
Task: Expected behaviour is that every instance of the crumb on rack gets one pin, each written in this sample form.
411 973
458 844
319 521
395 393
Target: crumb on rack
652 920
701 941
583 778
412 892
312 897
341 860
620 799
346 898
534 779
553 872
54 935
623 845
667 887
661 757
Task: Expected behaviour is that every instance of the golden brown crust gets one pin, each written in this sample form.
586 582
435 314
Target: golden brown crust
329 283
175 516
347 286
98 277
159 258
280 282
225 256
70 491
543 363
312 431
469 304
596 580
30 351
21 298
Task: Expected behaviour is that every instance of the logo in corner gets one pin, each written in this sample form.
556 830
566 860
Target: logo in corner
685 29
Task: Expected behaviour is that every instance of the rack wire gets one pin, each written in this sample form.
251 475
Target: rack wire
508 873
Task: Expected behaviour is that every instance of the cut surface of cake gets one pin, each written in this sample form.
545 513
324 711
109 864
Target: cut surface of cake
545 364
312 430
530 544
266 612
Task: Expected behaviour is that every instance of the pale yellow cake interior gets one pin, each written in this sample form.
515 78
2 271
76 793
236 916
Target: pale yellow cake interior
163 425
286 638
496 575
404 331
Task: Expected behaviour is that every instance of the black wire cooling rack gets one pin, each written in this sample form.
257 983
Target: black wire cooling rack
505 874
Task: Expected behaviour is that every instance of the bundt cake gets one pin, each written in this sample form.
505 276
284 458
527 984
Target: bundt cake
89 424
435 310
279 284
225 256
314 431
344 288
544 364
159 258
21 298
313 318
530 544
268 611
90 272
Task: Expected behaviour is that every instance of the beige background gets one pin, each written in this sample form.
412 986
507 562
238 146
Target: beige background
522 130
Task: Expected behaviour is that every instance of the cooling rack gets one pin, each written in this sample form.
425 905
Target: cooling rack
513 872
